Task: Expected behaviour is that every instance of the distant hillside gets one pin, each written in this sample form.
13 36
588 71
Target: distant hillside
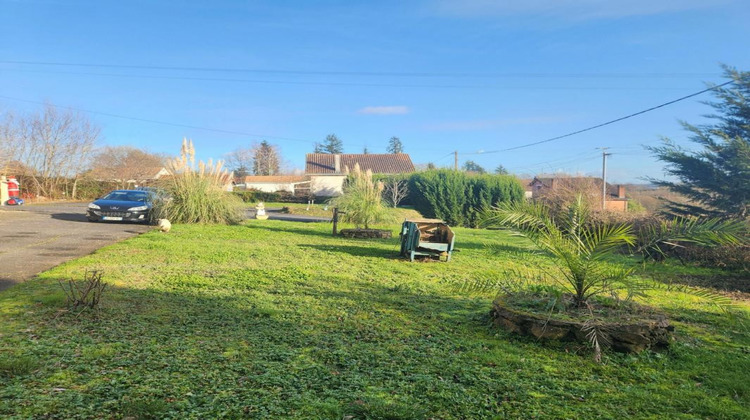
652 198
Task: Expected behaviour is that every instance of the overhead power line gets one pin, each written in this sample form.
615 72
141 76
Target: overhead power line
361 73
195 127
562 161
617 119
327 83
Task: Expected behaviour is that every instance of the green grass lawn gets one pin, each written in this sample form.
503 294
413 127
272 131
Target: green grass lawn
281 320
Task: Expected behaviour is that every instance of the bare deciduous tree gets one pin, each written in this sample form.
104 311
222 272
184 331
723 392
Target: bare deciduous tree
124 163
395 190
565 189
9 142
56 145
240 161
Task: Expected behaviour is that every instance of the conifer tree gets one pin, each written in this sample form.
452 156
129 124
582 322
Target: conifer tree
717 177
265 159
395 145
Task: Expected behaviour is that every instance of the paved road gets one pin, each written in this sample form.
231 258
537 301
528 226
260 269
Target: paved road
39 237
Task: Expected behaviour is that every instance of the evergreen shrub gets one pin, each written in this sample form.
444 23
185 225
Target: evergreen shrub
460 198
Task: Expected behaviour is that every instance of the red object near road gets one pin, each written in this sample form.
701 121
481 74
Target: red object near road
14 188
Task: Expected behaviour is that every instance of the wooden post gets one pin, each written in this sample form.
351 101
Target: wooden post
604 176
335 220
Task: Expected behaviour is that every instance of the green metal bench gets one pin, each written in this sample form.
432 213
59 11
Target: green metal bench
426 237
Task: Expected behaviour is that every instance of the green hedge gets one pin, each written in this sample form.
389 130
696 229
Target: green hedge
459 198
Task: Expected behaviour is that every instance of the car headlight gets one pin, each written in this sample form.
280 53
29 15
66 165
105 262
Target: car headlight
139 208
94 206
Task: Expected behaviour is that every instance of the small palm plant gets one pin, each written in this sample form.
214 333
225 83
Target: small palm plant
579 249
362 201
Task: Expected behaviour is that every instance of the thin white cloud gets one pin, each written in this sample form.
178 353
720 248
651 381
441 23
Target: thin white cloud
569 9
475 125
384 110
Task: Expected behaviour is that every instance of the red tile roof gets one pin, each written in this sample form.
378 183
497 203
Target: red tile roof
389 163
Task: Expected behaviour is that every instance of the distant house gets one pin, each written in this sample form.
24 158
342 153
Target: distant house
528 192
275 183
148 174
327 172
615 199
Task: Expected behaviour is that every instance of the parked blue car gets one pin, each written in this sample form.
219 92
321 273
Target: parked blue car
122 206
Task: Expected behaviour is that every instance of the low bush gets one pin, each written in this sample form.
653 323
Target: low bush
734 258
84 294
702 242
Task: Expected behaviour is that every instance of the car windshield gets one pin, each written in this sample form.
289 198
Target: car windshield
139 196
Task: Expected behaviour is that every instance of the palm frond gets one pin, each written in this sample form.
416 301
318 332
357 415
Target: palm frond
597 336
602 240
508 281
656 239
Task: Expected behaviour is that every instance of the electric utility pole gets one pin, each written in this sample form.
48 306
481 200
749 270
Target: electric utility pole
455 160
604 175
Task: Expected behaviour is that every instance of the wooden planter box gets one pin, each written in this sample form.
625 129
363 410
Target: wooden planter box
366 233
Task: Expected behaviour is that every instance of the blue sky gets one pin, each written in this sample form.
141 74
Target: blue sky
443 75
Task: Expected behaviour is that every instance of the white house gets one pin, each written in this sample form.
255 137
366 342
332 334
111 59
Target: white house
327 172
274 183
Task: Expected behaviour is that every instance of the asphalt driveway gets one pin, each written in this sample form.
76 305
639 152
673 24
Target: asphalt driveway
38 237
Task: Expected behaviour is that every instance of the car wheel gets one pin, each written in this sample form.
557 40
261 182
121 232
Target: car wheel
91 220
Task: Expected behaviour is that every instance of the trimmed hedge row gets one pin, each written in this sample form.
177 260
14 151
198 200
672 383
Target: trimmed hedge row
459 198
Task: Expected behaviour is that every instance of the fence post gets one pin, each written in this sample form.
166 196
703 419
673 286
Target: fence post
335 220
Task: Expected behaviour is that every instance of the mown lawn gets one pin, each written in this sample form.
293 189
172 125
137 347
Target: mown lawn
280 320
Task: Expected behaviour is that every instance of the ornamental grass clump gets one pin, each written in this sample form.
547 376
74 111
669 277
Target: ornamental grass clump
196 193
362 201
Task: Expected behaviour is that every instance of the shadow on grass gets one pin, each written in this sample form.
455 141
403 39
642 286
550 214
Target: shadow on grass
728 283
494 246
292 230
357 251
206 349
235 352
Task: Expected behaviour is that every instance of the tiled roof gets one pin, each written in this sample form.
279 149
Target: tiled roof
274 179
390 163
526 183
